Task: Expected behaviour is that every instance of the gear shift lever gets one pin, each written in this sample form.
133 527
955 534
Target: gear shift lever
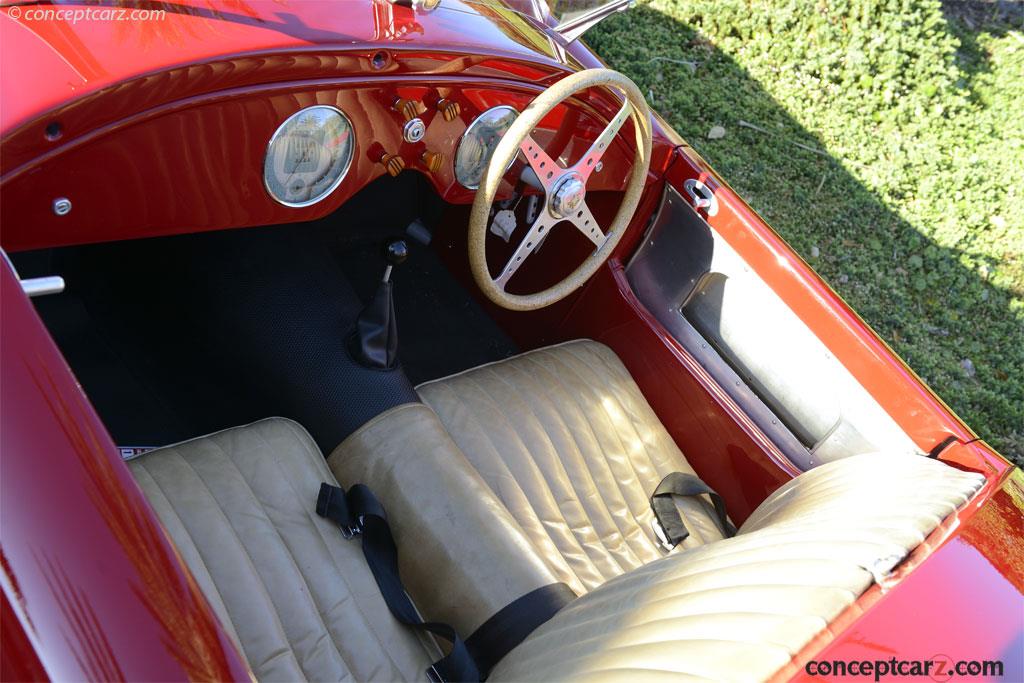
376 337
396 251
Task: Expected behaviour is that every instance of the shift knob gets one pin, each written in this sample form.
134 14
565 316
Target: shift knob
396 251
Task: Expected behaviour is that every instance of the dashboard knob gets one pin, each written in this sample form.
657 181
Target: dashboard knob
394 163
432 160
449 109
409 109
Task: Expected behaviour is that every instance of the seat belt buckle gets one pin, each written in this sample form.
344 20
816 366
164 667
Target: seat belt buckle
659 533
350 531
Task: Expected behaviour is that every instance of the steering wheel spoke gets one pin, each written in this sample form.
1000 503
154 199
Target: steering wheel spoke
532 240
588 162
546 169
585 222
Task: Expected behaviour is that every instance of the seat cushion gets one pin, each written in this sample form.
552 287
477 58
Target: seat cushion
298 599
566 440
740 608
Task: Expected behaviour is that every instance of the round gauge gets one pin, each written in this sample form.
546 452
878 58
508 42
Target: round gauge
478 143
308 156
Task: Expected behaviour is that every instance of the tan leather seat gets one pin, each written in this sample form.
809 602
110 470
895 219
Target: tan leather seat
298 599
739 609
462 556
566 440
733 609
302 605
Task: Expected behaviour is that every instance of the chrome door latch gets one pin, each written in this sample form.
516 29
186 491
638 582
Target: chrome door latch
702 196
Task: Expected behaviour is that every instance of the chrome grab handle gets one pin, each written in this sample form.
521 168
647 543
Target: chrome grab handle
40 286
35 286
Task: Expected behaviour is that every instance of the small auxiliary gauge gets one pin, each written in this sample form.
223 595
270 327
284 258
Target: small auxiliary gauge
478 143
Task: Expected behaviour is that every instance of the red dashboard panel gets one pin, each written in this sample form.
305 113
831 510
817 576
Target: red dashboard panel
197 164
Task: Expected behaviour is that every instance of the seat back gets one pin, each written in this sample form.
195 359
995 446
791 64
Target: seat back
568 443
298 599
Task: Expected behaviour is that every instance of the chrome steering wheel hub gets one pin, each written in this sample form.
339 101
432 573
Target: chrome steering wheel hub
568 194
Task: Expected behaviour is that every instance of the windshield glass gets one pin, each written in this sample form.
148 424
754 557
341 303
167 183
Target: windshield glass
560 10
566 10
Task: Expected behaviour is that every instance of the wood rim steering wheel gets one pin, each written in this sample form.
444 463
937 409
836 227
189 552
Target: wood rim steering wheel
564 189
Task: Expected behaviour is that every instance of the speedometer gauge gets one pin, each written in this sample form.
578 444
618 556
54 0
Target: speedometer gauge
308 156
478 143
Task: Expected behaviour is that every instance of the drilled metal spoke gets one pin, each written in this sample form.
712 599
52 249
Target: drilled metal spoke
586 165
585 222
532 240
544 167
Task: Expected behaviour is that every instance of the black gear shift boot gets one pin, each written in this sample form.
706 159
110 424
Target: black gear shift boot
375 343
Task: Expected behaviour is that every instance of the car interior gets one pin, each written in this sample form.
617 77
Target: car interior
563 496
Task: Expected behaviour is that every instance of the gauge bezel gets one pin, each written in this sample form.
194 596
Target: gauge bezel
468 131
341 176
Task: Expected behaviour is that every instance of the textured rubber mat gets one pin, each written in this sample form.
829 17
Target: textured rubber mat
181 336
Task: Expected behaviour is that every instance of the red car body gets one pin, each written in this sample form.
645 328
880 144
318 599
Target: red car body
93 589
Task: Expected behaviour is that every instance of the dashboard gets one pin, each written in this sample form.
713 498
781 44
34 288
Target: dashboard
285 152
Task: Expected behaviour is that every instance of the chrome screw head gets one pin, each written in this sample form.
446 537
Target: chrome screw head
62 206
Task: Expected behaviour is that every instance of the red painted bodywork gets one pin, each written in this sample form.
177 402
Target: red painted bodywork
163 127
186 192
958 598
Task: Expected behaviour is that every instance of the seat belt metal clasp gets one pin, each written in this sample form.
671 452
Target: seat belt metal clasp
331 504
659 533
357 512
666 515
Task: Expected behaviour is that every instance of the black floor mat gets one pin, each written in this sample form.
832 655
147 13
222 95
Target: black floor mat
177 337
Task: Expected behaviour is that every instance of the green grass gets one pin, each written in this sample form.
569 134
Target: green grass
913 206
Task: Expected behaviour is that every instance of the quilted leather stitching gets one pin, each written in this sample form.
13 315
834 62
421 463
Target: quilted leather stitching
347 603
583 453
304 651
570 529
338 627
739 609
283 649
177 529
585 477
621 493
507 486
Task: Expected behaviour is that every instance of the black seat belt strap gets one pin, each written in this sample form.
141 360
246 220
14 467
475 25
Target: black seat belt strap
510 625
359 513
683 484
